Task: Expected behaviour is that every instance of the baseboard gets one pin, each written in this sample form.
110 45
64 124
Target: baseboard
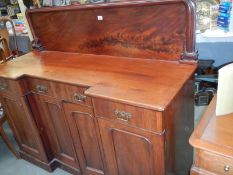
67 168
46 166
51 166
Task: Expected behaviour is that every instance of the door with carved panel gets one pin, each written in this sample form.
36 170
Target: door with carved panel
131 151
50 119
83 129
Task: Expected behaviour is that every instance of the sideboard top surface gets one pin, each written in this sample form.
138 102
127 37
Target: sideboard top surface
151 29
214 133
147 83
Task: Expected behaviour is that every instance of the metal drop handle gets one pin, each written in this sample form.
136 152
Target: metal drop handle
41 89
122 115
80 97
226 168
3 86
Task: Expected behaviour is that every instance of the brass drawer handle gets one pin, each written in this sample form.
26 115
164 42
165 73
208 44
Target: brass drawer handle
226 168
122 115
3 86
41 89
79 97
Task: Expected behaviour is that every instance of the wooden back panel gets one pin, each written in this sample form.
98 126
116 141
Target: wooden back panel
162 29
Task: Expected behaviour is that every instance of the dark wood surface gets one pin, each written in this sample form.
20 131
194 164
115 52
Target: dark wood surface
128 150
53 126
106 97
212 140
19 118
146 83
142 118
161 30
157 94
83 129
57 90
179 123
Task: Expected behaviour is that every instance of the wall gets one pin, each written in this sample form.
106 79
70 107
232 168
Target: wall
219 49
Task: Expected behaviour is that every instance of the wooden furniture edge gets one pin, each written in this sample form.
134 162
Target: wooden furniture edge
198 171
48 167
189 53
184 119
195 138
90 91
197 142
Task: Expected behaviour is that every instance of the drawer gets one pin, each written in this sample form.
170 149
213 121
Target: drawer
214 163
58 90
127 114
11 87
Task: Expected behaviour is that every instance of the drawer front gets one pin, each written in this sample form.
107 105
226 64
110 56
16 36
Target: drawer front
127 114
11 87
214 163
59 90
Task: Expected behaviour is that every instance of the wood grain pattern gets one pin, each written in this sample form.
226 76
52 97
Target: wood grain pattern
212 140
213 162
131 61
128 150
58 90
82 125
137 82
21 121
214 133
141 118
53 126
143 29
150 84
8 86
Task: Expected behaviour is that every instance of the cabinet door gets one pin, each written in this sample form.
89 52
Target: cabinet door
51 121
83 129
23 126
130 150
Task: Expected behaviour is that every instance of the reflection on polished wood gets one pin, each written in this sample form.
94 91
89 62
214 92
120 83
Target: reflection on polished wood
143 29
144 81
157 100
214 144
106 97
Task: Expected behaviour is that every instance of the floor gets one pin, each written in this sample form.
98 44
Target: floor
9 165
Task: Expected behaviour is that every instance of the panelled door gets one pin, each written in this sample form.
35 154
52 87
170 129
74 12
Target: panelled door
23 126
131 151
54 129
82 125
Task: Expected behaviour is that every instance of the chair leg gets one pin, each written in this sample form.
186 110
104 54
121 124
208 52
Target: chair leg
8 143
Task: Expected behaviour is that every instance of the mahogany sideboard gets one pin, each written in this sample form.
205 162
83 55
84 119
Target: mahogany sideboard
108 88
213 143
